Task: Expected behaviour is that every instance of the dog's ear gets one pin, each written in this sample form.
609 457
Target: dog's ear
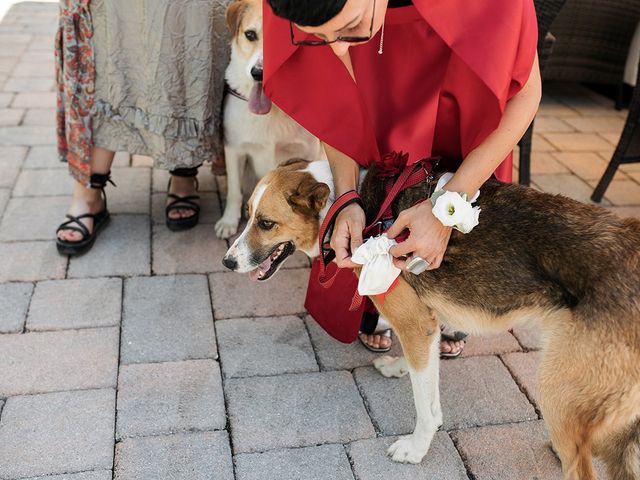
310 197
234 16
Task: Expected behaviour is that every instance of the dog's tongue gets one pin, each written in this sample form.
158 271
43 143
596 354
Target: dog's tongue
259 103
264 267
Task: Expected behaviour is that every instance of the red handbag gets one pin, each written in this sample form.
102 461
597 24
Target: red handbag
332 292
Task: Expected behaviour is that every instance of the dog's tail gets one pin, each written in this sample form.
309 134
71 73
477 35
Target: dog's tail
621 454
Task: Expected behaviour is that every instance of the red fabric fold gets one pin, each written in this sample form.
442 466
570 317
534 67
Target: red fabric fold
484 50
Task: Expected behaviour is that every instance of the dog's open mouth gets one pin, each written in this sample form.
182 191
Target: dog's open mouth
269 266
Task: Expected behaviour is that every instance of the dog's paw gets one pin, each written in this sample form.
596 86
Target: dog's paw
391 366
408 449
226 227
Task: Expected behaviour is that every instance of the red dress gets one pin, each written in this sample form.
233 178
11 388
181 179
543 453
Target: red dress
439 88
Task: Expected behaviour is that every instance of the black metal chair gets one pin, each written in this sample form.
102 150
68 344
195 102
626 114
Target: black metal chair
628 149
546 12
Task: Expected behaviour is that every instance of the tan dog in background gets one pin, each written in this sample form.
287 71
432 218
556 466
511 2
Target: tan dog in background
570 268
254 129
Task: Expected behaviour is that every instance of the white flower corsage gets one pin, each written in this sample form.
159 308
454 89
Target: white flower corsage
453 209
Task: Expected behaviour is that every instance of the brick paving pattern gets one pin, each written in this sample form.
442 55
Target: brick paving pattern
146 360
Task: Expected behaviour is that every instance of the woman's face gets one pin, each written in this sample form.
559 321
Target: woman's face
353 20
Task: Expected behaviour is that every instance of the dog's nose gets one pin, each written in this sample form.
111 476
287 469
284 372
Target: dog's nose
230 262
256 73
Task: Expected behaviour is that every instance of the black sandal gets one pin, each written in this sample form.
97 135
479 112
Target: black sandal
100 220
183 203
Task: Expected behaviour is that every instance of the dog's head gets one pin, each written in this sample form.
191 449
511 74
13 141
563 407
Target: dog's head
285 210
244 19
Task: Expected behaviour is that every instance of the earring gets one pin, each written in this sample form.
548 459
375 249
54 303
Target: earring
381 39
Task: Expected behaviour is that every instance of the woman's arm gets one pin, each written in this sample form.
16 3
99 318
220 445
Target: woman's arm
347 233
518 114
429 238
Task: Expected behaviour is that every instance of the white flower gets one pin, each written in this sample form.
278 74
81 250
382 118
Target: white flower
470 221
451 209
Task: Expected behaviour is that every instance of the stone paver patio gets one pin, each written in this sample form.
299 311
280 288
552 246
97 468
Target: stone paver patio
146 360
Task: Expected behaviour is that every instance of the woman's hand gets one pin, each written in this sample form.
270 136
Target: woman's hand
347 235
428 238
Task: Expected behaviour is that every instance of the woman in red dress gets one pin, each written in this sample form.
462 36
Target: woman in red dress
451 78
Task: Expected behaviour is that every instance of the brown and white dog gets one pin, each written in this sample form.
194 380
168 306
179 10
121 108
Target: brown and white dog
573 269
254 129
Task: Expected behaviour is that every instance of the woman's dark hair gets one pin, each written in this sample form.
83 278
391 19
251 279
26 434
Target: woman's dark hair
307 13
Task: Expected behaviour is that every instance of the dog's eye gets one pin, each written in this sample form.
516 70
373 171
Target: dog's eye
265 224
251 35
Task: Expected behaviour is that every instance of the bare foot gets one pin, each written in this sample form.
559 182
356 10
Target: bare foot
451 346
376 341
183 187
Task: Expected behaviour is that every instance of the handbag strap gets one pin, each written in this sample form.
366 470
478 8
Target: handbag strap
326 253
410 176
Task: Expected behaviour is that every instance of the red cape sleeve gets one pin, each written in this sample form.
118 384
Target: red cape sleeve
496 40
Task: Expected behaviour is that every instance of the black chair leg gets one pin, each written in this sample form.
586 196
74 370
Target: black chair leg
604 182
524 168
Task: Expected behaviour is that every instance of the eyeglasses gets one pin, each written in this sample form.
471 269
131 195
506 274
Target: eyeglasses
340 38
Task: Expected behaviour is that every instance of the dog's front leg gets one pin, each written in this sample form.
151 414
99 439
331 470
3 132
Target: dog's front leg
419 334
228 224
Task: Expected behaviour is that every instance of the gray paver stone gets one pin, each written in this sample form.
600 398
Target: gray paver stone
193 456
6 99
169 397
35 100
29 84
5 193
480 391
61 304
441 462
235 296
43 157
389 401
523 366
323 462
14 301
132 193
167 319
27 135
100 475
10 116
31 261
507 452
567 185
122 249
264 346
473 391
52 361
529 337
295 410
490 344
44 214
11 159
44 182
196 250
57 433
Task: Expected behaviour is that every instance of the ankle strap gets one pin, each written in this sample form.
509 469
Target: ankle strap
100 180
185 172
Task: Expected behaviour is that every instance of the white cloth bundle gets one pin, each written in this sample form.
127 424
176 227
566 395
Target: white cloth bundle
378 271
